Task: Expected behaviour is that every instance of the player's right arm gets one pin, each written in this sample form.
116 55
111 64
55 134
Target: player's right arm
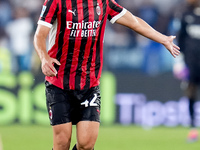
40 46
45 22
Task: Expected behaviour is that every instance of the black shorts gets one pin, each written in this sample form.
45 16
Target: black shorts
72 105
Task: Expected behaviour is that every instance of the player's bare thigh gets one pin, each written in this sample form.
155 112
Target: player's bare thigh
87 133
62 136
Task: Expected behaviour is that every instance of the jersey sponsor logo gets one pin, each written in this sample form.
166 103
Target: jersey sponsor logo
91 103
73 12
98 9
43 10
83 29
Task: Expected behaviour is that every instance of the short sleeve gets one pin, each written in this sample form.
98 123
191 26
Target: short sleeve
115 11
49 13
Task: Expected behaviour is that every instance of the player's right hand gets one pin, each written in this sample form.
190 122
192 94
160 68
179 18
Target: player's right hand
47 66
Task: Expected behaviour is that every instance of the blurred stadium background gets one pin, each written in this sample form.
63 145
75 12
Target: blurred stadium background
143 106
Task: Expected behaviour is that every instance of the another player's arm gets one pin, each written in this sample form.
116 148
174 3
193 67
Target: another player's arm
40 46
141 27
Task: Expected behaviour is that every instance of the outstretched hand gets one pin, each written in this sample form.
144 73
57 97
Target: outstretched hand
172 48
48 68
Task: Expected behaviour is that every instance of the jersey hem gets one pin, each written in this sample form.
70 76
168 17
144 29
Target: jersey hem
118 16
59 85
54 83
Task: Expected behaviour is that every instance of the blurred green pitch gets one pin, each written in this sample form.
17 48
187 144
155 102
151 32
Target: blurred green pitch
114 137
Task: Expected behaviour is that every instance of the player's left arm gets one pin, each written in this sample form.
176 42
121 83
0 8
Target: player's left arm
141 27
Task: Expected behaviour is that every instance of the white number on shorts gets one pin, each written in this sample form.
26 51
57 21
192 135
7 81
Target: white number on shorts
92 103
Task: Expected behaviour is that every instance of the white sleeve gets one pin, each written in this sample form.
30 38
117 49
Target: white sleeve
118 16
45 23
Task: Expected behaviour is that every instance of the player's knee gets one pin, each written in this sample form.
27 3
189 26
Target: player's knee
61 140
84 145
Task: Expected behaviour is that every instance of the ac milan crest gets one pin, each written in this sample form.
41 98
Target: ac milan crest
50 114
98 9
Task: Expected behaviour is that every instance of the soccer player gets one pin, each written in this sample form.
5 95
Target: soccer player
74 60
189 41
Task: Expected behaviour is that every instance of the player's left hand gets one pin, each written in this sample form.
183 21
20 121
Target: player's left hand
172 48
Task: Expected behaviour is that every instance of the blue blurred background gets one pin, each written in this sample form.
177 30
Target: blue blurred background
138 85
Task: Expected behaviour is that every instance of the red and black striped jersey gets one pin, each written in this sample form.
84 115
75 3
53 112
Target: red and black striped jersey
76 39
